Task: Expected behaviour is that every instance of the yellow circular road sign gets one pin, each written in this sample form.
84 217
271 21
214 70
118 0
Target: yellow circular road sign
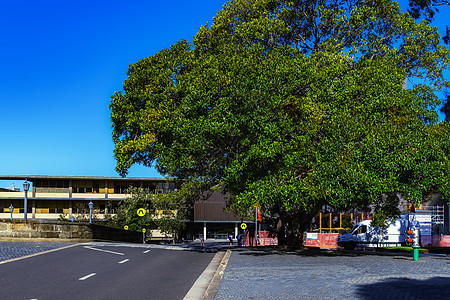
244 226
144 230
141 212
125 227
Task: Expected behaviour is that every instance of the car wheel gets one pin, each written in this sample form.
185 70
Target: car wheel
350 246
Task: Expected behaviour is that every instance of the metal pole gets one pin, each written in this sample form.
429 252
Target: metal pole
143 234
256 226
26 186
25 209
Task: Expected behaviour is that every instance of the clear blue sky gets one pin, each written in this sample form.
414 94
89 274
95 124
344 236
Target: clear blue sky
60 61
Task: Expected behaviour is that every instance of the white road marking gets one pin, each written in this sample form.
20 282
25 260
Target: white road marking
123 261
107 251
147 251
87 276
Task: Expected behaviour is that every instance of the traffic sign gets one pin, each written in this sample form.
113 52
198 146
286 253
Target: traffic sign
144 230
125 227
141 212
244 226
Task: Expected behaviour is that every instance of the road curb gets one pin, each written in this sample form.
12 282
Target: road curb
213 287
206 286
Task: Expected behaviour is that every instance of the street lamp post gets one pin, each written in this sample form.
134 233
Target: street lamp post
11 208
26 186
91 206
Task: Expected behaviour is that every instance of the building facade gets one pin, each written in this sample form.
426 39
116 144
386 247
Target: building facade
54 197
212 219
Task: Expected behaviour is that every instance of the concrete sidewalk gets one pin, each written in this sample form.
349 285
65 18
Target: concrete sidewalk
11 250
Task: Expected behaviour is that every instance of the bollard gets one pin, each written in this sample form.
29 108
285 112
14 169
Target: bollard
416 253
416 243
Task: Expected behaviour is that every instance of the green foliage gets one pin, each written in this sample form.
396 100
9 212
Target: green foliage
385 211
62 217
292 104
166 212
127 211
347 225
176 209
427 9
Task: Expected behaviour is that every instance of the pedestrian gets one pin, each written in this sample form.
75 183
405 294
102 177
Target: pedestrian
202 240
238 237
230 238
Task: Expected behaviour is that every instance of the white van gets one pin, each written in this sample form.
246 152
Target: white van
363 234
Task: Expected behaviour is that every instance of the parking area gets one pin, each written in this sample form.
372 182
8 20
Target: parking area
275 274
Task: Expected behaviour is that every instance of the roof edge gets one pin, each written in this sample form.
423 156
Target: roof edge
31 177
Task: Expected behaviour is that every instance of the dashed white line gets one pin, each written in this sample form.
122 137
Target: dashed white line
101 250
123 261
147 251
87 276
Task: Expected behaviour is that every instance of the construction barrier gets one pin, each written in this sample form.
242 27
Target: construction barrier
321 240
436 241
329 240
264 239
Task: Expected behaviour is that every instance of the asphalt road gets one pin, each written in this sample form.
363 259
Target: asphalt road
103 272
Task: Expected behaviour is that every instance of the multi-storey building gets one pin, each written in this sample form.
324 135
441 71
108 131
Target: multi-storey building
55 197
50 197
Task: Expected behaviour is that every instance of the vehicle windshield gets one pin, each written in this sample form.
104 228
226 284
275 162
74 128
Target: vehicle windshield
358 229
354 228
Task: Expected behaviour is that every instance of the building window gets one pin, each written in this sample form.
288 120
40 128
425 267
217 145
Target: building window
83 186
122 187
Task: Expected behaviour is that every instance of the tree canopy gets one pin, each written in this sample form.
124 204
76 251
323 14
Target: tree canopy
295 105
427 9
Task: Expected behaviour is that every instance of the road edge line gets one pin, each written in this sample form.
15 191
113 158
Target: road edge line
36 254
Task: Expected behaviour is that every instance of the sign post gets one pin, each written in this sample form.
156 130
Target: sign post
256 226
141 213
257 218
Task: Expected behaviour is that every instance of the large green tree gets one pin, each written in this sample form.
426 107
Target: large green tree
295 105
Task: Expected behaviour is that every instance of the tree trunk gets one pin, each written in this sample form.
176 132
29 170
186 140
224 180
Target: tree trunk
292 224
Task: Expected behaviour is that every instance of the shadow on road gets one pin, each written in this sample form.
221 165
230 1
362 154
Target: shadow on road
263 251
404 288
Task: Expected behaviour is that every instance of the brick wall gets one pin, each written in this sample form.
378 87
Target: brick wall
63 231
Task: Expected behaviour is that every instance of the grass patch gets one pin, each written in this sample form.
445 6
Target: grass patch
405 249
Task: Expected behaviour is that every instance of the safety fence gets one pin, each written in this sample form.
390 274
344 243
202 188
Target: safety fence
321 240
264 239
